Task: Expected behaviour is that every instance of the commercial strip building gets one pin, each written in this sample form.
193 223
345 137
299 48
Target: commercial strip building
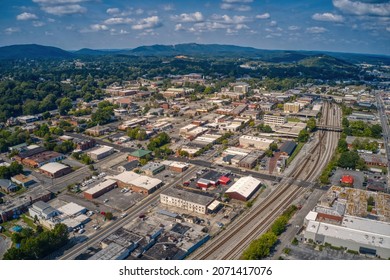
342 218
38 156
101 152
152 168
100 189
244 188
186 200
176 166
55 169
137 183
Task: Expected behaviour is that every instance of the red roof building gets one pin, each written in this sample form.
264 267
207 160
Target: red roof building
224 180
347 179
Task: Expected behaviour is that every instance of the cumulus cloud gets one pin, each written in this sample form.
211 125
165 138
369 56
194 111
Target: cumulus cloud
328 17
113 11
26 16
118 20
11 30
263 16
363 8
229 19
235 7
316 30
237 1
193 17
38 23
273 23
147 23
64 10
56 2
179 27
98 27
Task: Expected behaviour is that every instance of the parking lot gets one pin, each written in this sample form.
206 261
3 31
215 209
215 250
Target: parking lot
118 200
358 177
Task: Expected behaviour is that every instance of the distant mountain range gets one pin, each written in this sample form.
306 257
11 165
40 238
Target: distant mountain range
33 51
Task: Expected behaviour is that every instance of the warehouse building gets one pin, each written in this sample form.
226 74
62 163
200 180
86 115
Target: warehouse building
101 152
366 236
186 200
251 160
255 142
176 166
288 148
55 169
23 180
137 183
100 189
244 188
72 209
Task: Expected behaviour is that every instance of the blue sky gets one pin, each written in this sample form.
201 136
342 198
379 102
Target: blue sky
334 25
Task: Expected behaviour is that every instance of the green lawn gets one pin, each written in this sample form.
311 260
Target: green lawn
293 119
294 154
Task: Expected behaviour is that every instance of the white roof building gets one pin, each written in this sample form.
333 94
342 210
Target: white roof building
244 188
53 167
359 234
72 209
99 187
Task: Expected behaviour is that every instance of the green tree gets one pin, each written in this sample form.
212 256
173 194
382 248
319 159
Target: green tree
303 136
273 146
279 225
311 124
261 247
269 153
342 146
64 106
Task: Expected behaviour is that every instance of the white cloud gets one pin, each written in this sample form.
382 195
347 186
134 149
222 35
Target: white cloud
230 20
168 7
118 20
273 23
26 16
113 11
237 1
98 27
56 2
362 8
193 17
316 30
239 8
263 16
147 23
139 12
328 17
64 10
11 30
38 23
241 26
179 27
293 28
51 20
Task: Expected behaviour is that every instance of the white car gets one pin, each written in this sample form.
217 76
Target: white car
105 201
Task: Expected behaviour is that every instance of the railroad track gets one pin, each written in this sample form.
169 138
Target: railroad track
287 190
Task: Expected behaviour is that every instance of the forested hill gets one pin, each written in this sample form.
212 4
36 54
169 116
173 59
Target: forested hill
33 51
